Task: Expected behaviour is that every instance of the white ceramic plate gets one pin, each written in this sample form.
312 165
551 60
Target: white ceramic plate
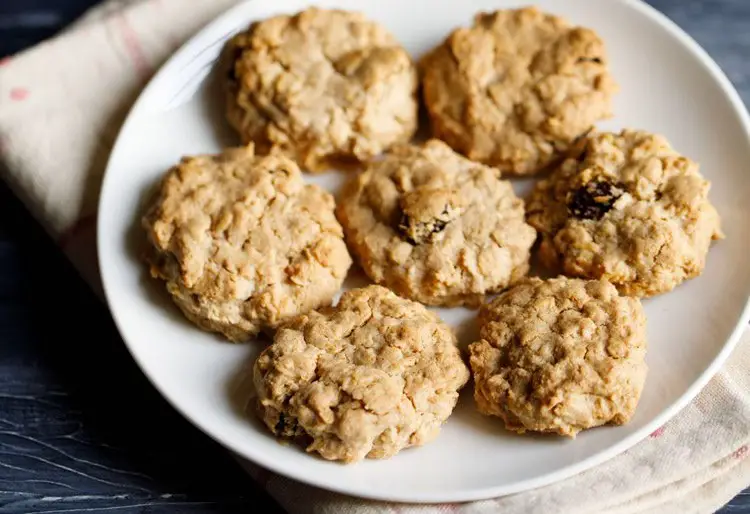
668 85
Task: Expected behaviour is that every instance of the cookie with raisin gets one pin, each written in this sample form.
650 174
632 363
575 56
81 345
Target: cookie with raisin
629 208
436 227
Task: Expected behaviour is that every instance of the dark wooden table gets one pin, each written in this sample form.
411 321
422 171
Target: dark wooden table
80 428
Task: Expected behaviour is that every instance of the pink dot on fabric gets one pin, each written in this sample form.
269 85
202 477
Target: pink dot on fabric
18 94
657 433
5 60
741 452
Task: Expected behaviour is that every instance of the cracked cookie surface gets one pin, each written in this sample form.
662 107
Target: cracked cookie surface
242 243
326 86
626 207
517 88
560 355
364 379
436 227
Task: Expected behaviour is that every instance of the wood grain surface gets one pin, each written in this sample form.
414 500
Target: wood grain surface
81 430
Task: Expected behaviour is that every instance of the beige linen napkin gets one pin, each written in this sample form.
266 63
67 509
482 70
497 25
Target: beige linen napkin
61 106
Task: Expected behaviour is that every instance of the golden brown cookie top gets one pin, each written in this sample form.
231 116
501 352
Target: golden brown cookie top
243 242
560 355
517 88
327 86
629 208
366 378
436 227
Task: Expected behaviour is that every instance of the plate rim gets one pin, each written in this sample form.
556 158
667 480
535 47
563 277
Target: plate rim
665 23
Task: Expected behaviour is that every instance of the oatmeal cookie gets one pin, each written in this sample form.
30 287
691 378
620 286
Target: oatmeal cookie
242 243
364 379
628 208
517 88
560 355
436 227
326 86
